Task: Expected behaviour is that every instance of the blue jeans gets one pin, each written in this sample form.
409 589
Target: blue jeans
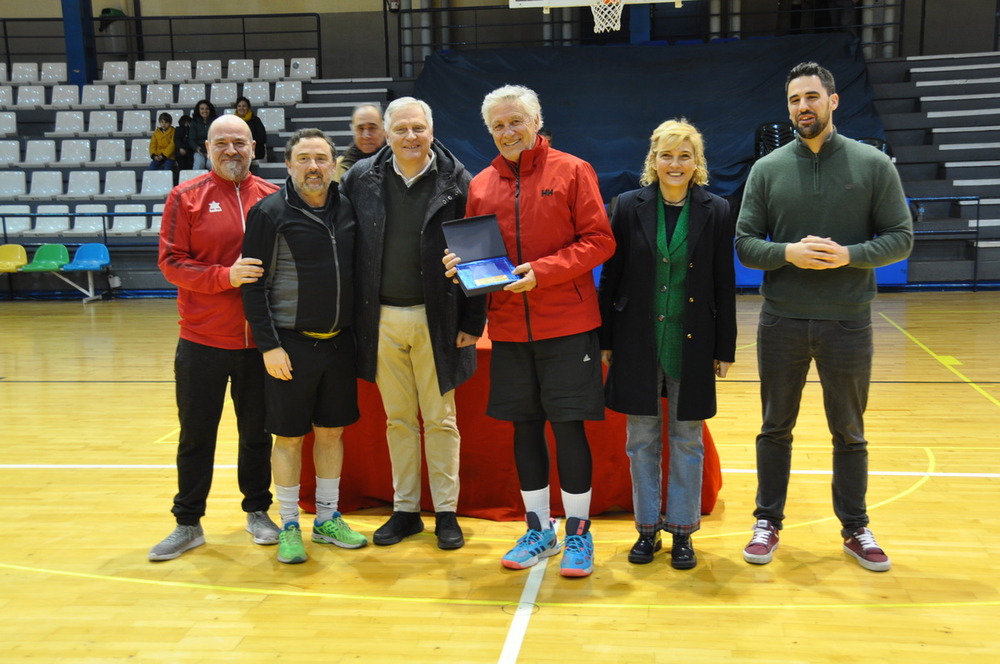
644 446
843 354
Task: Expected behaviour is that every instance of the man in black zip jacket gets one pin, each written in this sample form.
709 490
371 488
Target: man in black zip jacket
301 311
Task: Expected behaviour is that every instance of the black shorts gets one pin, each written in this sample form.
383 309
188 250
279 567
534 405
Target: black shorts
324 386
558 380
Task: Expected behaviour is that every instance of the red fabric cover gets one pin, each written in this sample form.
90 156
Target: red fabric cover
488 476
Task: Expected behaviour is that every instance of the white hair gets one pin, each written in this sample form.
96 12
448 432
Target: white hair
397 104
526 98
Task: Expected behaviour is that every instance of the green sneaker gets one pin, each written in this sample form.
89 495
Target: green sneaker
336 531
290 549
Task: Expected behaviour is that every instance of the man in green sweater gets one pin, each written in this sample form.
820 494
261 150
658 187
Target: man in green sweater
818 216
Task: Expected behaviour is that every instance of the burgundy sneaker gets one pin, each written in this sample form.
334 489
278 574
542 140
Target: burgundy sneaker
862 545
761 548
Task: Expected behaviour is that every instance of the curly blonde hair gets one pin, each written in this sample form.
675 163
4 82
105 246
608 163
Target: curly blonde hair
668 136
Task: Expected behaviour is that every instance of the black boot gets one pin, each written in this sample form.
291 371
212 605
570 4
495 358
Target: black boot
644 548
682 554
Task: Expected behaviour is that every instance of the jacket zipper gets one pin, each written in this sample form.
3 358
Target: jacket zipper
243 221
517 232
336 259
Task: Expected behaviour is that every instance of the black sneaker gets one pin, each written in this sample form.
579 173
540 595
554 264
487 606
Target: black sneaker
448 532
644 548
682 553
399 525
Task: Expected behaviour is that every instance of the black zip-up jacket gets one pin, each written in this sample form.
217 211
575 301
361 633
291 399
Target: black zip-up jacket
308 265
448 309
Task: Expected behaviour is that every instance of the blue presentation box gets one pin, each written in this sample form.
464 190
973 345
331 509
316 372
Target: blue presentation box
477 241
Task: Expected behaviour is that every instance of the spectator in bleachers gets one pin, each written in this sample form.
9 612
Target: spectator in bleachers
369 137
204 113
183 155
161 145
201 244
245 110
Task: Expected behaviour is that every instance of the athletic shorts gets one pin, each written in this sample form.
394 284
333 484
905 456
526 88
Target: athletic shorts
558 380
323 390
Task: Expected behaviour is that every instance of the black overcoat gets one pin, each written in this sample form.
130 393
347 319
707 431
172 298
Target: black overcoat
626 299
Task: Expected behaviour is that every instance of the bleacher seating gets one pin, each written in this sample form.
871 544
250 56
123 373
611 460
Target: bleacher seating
10 153
3 71
38 153
53 73
302 68
189 94
223 95
109 152
118 184
159 94
68 123
12 184
136 123
178 71
114 72
239 70
102 123
24 72
12 257
273 119
82 185
65 96
45 185
6 96
86 220
128 95
8 123
13 222
287 92
30 96
51 221
90 258
154 221
208 71
128 219
74 152
258 92
147 71
155 185
139 153
271 69
95 95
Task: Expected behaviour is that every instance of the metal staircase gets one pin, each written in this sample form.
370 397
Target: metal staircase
942 121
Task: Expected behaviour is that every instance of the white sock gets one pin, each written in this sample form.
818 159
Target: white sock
327 497
288 503
537 501
577 504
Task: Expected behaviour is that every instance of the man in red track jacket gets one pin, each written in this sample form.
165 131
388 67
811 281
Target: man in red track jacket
201 236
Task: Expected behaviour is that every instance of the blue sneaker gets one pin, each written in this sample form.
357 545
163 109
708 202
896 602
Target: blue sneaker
533 545
578 549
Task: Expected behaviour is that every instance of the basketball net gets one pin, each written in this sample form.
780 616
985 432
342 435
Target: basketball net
607 14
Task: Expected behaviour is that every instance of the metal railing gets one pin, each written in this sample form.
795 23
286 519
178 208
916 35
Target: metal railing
419 32
170 38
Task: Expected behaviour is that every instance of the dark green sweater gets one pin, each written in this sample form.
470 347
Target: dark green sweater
850 193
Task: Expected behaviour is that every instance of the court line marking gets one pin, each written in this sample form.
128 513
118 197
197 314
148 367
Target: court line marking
947 361
525 609
499 603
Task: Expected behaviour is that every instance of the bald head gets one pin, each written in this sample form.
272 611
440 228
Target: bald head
230 147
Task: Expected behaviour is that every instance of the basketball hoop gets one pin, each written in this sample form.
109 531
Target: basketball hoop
607 14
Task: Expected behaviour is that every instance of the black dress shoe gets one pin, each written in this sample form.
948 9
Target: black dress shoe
399 525
644 548
682 554
448 532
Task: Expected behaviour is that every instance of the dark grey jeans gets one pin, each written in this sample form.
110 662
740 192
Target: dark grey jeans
843 354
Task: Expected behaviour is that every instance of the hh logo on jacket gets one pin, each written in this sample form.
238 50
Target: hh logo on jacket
548 192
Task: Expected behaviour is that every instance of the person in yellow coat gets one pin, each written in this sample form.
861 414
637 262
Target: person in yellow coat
161 145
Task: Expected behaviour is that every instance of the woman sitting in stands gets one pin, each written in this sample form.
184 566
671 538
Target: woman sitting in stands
245 110
204 113
668 309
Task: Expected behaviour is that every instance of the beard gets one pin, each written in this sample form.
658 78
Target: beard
812 130
233 170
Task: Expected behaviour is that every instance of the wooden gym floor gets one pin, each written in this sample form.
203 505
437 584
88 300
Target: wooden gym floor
87 439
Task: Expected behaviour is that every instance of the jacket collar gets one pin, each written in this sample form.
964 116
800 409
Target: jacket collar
530 159
646 211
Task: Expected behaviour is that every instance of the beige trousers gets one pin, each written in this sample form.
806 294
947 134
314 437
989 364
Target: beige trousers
407 380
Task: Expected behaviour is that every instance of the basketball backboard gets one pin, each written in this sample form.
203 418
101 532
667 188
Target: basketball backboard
513 4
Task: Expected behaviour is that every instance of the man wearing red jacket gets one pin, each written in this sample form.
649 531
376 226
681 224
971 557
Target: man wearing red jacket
201 237
546 356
